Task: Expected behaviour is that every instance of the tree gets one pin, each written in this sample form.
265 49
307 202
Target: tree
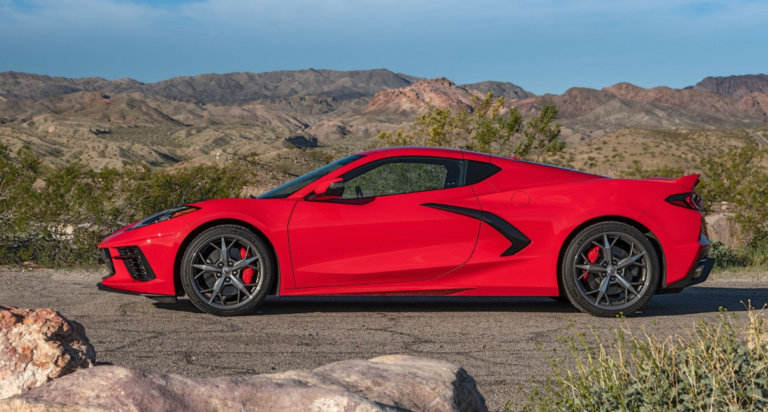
541 137
484 128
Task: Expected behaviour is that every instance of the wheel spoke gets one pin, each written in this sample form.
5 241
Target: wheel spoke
607 248
239 285
629 260
603 289
627 287
224 251
216 289
245 262
591 268
207 268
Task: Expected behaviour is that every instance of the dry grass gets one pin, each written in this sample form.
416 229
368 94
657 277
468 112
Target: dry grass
713 366
615 153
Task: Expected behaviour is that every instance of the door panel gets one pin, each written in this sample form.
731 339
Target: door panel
381 240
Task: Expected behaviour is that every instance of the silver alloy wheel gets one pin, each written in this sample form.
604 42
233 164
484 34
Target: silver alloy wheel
618 275
227 272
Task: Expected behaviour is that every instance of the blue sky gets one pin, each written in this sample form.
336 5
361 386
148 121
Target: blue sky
545 46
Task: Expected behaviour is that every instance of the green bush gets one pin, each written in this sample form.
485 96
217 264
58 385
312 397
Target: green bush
726 257
56 216
718 366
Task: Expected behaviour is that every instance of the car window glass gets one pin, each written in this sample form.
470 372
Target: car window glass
291 187
403 175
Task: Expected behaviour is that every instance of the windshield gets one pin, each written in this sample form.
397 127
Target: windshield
296 184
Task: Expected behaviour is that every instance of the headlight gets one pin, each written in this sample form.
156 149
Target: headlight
164 215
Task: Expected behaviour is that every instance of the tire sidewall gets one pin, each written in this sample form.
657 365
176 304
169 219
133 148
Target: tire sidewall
185 271
569 278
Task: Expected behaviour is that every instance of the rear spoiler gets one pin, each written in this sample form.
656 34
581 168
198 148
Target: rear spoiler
689 182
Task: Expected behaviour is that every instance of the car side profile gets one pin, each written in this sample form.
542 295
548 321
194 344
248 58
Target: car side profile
423 221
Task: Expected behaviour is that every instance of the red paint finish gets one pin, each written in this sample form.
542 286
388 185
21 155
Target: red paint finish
392 245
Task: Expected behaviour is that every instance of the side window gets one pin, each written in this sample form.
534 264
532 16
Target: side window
479 171
400 175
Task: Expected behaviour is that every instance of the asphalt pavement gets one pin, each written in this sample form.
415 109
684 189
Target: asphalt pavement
493 338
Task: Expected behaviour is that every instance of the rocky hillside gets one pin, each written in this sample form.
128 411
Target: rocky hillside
439 92
106 123
736 87
626 105
506 90
219 88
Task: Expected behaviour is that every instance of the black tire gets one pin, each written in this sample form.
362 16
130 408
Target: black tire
640 275
194 280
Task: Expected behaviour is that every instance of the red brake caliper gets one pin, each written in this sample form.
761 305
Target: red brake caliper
247 272
592 258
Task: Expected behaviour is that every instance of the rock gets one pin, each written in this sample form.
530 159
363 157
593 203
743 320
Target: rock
385 384
37 346
722 227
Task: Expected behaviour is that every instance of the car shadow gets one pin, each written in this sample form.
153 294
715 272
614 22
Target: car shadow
691 301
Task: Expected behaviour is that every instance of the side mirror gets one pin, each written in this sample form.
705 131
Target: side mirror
328 189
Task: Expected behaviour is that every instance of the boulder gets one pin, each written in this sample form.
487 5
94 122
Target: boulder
37 346
722 227
388 383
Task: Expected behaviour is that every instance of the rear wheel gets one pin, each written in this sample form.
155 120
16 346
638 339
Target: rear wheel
227 270
610 268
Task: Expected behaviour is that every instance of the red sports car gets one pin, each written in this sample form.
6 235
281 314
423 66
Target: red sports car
423 221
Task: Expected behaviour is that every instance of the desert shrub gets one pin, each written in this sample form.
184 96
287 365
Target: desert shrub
740 178
483 128
715 366
757 248
726 257
56 216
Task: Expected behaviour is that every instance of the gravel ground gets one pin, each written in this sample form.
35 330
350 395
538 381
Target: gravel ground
494 339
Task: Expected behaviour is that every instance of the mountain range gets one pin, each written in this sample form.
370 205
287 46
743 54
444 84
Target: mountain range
298 98
326 106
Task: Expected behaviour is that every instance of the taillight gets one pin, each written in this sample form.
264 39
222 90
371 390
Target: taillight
687 200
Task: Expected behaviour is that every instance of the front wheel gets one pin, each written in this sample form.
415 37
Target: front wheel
610 268
227 270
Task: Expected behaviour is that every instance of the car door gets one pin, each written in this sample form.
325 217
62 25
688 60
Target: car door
380 230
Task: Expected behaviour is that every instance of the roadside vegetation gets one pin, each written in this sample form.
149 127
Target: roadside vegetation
713 366
55 216
484 129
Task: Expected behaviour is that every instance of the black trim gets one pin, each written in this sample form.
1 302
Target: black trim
107 257
158 298
136 263
352 201
517 238
703 261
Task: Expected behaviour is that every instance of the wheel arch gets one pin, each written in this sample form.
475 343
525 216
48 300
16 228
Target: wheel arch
273 289
621 219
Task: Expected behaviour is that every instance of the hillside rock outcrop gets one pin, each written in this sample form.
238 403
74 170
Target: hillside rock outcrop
385 384
736 87
37 346
439 92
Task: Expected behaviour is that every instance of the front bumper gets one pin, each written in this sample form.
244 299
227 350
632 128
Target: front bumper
159 298
141 261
